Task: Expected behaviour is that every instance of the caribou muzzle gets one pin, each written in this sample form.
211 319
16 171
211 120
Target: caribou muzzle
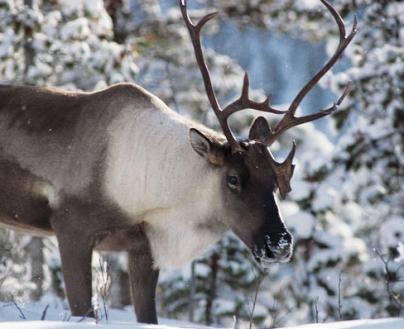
273 248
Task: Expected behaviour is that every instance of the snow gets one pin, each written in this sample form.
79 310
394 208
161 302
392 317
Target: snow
57 325
400 250
301 224
326 197
393 232
57 318
308 4
357 324
76 29
301 190
71 6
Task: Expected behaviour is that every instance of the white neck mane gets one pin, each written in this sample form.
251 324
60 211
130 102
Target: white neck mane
155 177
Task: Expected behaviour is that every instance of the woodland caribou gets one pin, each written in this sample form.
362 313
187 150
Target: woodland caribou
118 170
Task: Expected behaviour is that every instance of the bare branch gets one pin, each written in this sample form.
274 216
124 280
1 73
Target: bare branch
43 316
22 315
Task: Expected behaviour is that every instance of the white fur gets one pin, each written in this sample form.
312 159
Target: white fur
155 176
46 190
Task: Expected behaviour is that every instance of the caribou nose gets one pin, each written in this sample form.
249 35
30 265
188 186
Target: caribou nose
282 247
273 248
283 254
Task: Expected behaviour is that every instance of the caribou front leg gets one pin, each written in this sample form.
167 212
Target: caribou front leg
76 252
143 277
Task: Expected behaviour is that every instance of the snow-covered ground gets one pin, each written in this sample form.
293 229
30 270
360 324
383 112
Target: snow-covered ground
391 323
55 316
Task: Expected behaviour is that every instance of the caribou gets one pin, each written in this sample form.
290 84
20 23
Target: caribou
117 170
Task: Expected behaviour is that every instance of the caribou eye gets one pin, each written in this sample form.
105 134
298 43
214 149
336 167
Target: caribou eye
233 182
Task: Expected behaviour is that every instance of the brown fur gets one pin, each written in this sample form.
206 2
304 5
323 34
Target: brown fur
55 152
52 140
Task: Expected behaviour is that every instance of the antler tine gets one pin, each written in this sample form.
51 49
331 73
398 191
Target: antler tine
243 102
289 120
194 31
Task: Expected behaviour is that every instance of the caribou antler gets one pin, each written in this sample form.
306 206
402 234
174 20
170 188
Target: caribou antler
289 120
243 102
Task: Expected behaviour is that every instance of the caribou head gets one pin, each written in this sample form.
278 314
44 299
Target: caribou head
250 173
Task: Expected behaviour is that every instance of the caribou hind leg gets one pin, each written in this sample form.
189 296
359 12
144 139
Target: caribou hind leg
143 277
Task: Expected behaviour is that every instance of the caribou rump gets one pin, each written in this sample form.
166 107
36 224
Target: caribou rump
118 170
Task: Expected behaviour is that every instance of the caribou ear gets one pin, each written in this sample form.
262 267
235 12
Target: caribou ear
259 130
284 172
207 147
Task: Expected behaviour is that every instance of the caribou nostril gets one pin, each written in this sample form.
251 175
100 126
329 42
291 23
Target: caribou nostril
274 247
283 240
283 253
279 246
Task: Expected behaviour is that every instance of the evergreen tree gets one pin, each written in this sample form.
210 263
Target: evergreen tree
367 165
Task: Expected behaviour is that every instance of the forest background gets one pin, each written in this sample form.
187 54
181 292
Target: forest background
346 208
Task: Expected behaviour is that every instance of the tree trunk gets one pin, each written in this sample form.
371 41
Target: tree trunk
120 291
35 254
211 294
29 52
192 291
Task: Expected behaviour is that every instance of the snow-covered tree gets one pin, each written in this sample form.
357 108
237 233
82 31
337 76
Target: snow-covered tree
71 45
367 165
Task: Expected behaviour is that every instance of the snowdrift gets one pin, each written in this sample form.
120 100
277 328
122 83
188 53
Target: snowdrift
55 316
